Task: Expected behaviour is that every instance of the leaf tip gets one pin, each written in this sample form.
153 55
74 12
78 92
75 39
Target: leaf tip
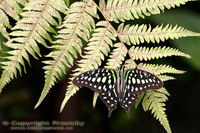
61 108
190 57
38 103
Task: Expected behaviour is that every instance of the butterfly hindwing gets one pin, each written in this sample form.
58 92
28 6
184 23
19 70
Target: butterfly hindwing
110 100
128 100
102 81
138 81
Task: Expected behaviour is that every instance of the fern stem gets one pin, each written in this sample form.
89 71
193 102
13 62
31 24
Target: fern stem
115 32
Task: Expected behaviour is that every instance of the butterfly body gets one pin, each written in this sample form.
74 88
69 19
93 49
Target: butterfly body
118 86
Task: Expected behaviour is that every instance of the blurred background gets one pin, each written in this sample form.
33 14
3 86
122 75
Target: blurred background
19 97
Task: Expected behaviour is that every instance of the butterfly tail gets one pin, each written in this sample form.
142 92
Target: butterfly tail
110 110
128 112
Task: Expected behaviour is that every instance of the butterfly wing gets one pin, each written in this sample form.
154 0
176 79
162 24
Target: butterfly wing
110 100
102 81
138 81
127 101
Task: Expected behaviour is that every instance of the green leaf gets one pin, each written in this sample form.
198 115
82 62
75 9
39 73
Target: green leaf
97 47
119 10
33 28
189 45
136 34
155 101
148 53
139 100
96 94
159 69
90 42
9 8
117 56
78 24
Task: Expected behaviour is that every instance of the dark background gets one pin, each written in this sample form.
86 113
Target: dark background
19 97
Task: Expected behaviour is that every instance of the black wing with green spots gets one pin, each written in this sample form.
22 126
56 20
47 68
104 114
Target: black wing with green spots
114 88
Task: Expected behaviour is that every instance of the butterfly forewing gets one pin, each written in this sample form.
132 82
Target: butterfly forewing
98 80
138 81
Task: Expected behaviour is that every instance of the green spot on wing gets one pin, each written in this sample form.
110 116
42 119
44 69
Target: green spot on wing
104 79
99 79
133 80
127 72
114 77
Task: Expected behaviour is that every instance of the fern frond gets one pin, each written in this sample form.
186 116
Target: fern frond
129 64
165 77
155 101
139 99
118 10
115 59
137 34
96 94
12 9
159 69
78 24
162 90
3 26
117 56
97 47
32 29
148 53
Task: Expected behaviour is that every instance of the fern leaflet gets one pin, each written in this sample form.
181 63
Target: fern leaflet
96 94
159 69
146 53
155 101
78 24
29 31
117 56
97 47
118 10
139 34
11 8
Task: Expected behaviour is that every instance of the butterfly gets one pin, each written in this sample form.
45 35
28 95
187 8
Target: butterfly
118 86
